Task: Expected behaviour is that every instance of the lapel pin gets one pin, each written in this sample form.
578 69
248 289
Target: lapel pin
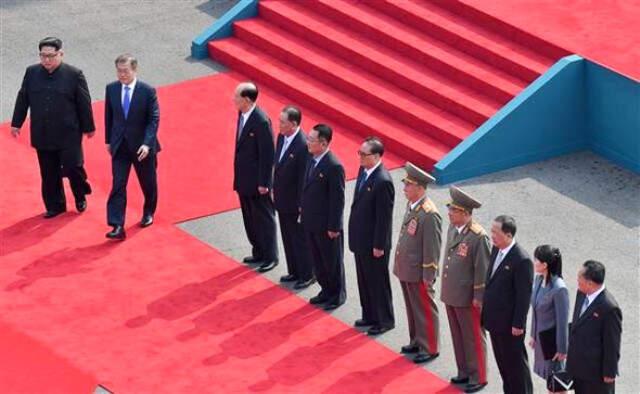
250 134
369 189
507 267
321 175
291 155
595 314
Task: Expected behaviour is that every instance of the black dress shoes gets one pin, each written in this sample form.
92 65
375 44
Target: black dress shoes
458 380
81 206
362 323
410 349
53 214
288 278
425 357
377 330
303 284
331 306
474 387
117 233
268 266
147 220
251 260
317 300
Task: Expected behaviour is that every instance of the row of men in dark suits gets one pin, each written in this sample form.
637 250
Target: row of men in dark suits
57 95
483 287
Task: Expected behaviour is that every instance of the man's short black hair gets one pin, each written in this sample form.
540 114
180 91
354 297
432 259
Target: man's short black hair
593 271
507 224
324 132
376 145
250 91
50 42
293 114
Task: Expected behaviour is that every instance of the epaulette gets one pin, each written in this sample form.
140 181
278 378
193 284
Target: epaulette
477 229
429 206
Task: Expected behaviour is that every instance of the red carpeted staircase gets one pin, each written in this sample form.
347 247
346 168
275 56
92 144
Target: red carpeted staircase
422 75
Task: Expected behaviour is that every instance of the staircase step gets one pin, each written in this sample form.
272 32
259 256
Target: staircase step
328 101
456 97
354 81
470 37
407 42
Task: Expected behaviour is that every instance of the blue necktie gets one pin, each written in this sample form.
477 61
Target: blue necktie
240 126
361 179
585 305
126 102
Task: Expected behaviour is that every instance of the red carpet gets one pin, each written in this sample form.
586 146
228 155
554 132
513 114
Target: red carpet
163 312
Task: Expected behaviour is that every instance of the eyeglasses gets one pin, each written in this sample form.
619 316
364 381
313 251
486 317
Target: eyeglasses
48 56
364 154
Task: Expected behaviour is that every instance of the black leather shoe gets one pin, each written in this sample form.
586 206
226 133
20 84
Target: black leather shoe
53 214
331 306
147 220
425 357
117 233
317 300
377 330
362 323
81 206
474 387
410 349
288 278
303 284
268 266
458 380
251 260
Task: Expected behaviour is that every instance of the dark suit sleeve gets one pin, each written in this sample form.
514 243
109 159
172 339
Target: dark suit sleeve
612 332
266 153
153 120
83 105
108 116
523 277
384 215
22 103
336 198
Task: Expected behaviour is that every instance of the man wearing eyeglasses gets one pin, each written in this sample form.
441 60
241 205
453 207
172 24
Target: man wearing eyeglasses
370 237
60 104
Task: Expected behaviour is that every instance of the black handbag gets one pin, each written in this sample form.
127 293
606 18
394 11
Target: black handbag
547 340
559 381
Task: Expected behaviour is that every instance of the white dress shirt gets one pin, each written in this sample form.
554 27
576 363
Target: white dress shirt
371 170
500 256
287 141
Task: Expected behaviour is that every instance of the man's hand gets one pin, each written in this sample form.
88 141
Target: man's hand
377 253
108 148
559 357
333 234
90 134
263 190
608 380
15 132
516 332
477 303
143 152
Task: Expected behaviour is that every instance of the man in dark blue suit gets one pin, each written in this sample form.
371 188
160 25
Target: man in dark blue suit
288 180
370 237
253 176
131 130
322 211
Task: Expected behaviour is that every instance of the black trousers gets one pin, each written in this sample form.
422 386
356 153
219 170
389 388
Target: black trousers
593 387
258 215
374 287
511 357
295 246
121 162
56 164
327 256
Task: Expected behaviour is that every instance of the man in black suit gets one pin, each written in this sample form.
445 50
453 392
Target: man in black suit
594 334
61 113
322 210
506 303
370 237
253 175
131 120
288 180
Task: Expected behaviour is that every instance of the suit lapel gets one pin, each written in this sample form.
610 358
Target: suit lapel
412 213
116 100
287 153
318 171
246 127
503 263
459 236
599 300
279 146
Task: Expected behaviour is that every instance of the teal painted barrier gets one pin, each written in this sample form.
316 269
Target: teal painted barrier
575 105
223 27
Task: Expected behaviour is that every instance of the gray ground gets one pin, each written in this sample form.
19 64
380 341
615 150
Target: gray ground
582 203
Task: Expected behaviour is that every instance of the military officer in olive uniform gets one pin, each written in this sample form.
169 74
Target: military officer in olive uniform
416 265
464 270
